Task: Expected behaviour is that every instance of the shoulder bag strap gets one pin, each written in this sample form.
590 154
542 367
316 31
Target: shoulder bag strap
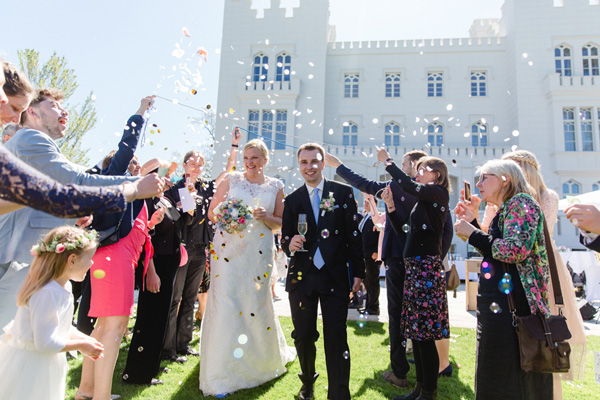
558 298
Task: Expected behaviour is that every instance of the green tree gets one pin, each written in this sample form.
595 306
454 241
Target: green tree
56 74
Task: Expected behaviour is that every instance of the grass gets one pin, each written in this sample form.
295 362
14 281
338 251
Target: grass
369 355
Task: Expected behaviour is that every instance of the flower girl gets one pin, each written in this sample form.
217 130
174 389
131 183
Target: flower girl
33 347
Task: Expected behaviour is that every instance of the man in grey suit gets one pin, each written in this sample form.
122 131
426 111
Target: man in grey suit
44 121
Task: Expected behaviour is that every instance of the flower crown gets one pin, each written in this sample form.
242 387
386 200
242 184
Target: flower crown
57 246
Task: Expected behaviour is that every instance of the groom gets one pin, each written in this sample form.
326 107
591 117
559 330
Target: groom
322 272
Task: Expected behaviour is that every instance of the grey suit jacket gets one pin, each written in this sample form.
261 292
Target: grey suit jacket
21 229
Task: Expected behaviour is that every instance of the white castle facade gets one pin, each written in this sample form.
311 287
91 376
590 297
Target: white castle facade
530 79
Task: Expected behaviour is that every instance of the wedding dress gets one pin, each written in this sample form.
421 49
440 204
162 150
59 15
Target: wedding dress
241 342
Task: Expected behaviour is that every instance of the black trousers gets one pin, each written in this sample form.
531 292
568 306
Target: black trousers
185 293
394 280
372 283
143 359
85 323
319 286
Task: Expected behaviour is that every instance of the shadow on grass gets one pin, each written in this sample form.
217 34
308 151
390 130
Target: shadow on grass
366 328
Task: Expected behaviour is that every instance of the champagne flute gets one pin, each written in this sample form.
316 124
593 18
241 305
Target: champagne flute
256 202
302 228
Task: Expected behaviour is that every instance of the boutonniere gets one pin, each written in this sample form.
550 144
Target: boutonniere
327 204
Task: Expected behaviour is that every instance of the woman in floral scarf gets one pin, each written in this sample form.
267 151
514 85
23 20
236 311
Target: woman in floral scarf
515 239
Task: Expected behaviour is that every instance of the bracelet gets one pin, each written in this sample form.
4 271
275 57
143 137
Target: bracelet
389 160
234 145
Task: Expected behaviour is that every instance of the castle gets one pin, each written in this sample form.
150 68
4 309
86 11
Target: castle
529 80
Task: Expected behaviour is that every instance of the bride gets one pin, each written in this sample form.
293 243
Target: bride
241 342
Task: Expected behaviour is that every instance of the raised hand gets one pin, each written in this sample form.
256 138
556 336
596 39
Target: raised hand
388 198
332 160
236 136
145 104
382 154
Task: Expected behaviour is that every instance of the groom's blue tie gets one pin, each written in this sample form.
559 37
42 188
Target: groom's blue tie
316 203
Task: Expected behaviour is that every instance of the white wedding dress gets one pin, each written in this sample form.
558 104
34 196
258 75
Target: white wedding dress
241 342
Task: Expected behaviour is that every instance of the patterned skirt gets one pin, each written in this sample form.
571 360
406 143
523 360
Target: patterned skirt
425 304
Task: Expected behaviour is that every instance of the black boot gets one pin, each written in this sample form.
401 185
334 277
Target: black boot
428 395
416 392
306 391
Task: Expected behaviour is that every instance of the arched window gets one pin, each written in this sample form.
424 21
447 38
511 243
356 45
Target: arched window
478 83
435 84
392 85
571 188
260 68
350 134
596 186
392 134
351 85
591 60
479 135
585 125
284 67
435 134
563 61
569 129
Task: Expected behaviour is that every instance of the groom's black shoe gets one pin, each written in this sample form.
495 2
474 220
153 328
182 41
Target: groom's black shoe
306 391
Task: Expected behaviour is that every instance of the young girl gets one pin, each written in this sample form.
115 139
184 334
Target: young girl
32 349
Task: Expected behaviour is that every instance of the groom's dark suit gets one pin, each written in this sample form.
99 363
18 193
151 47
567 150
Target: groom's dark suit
336 235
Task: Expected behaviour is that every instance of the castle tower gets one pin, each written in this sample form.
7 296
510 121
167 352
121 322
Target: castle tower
272 77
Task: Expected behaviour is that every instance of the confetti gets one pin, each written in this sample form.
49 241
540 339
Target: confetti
99 274
201 51
185 32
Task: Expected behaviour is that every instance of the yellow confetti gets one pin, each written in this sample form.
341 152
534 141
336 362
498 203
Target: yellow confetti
231 110
262 235
99 274
240 313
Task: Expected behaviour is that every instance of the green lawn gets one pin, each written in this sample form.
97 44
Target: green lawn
370 357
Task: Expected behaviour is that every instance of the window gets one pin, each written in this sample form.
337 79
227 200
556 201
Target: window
596 186
267 128
260 68
280 129
253 117
479 135
435 134
284 68
351 85
569 128
585 122
478 83
590 60
571 188
392 134
562 60
435 81
392 85
350 134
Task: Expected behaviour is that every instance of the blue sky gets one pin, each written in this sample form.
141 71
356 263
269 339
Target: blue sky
123 51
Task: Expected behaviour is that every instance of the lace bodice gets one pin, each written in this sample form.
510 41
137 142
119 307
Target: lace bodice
240 188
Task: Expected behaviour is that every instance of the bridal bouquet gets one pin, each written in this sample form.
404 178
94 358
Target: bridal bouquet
232 216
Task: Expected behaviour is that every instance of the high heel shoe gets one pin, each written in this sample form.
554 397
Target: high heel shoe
447 372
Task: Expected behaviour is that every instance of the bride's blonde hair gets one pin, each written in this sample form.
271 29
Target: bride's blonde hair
258 144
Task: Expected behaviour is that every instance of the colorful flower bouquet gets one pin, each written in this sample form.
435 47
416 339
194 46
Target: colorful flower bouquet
232 216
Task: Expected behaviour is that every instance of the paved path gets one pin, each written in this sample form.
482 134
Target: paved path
459 317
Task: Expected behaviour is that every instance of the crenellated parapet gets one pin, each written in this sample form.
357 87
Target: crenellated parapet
412 45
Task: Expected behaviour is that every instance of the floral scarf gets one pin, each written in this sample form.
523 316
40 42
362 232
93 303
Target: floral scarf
523 244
